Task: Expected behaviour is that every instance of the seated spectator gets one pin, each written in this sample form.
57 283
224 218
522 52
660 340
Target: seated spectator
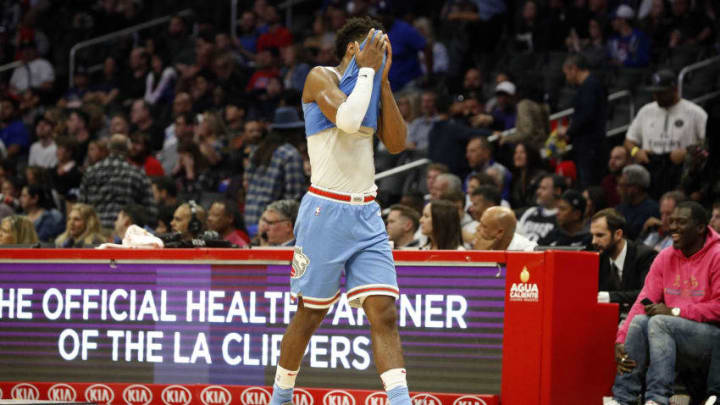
17 230
36 72
97 151
13 133
656 232
636 205
619 158
526 175
595 197
482 198
131 214
189 220
630 47
164 218
66 175
480 158
224 219
419 128
43 151
537 222
142 121
440 223
497 232
193 171
675 331
82 230
36 204
571 229
165 192
715 219
139 155
445 183
432 171
401 224
623 263
503 114
468 224
277 223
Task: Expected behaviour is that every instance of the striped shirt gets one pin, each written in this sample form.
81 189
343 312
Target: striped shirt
111 184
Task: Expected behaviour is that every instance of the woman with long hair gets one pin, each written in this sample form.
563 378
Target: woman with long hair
36 202
440 222
526 171
17 230
193 171
83 228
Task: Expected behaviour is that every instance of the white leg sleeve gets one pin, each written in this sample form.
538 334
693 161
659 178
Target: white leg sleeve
351 113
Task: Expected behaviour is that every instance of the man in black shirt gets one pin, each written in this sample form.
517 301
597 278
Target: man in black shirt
571 229
588 127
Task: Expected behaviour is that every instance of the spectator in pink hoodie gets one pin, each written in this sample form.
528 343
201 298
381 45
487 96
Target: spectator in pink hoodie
674 318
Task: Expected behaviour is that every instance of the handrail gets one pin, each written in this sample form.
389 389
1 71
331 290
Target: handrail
11 65
402 168
117 34
569 111
695 66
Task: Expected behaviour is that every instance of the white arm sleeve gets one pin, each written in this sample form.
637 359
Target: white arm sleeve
351 113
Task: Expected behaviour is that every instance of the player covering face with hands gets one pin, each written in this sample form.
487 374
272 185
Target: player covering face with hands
339 226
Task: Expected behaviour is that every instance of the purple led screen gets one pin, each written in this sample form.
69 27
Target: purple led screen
222 324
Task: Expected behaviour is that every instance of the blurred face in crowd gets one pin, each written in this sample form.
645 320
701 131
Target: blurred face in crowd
685 232
138 112
439 186
75 124
233 114
476 154
667 206
571 73
119 125
625 190
473 79
472 185
7 110
404 106
137 59
247 22
217 219
657 9
253 131
177 26
715 219
27 202
183 130
109 67
95 153
667 98
430 178
8 188
426 221
545 192
7 236
529 11
274 87
594 30
478 205
520 156
43 129
275 228
181 219
182 103
566 214
618 159
63 154
397 225
122 222
75 224
604 240
427 104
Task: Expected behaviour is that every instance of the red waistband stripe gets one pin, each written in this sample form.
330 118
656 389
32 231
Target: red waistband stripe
339 197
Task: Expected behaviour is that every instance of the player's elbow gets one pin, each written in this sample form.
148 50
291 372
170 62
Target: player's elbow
395 148
347 120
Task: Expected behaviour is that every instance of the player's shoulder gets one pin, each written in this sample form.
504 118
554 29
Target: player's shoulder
318 79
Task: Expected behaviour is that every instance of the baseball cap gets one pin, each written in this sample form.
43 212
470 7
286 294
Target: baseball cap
624 11
663 80
575 199
505 87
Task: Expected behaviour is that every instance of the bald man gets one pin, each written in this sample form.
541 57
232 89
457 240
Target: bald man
497 232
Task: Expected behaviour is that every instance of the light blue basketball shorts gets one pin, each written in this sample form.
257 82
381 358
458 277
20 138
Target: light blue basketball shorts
332 236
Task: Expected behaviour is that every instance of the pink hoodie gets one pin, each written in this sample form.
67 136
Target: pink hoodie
691 284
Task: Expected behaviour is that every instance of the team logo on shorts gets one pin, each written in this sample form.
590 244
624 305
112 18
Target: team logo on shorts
300 262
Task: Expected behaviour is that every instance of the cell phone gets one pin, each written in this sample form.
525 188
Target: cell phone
646 301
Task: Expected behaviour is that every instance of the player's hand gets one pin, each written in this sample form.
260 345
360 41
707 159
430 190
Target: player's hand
388 61
372 54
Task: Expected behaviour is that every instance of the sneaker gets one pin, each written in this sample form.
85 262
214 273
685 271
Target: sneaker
712 400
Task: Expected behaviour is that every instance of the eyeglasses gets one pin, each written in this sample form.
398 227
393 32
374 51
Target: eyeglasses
277 221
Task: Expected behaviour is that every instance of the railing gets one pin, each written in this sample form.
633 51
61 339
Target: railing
402 168
11 65
695 66
117 34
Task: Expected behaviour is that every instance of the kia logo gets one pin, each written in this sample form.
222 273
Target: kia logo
425 399
25 391
62 392
338 397
137 394
255 396
377 398
99 394
215 395
176 395
469 400
302 397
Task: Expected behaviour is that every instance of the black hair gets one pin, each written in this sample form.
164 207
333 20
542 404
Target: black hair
558 182
355 29
166 183
489 193
231 209
136 213
82 115
697 212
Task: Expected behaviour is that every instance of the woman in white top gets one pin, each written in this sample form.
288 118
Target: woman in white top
440 222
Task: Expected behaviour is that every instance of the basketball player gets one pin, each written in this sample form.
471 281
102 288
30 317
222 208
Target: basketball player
339 224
